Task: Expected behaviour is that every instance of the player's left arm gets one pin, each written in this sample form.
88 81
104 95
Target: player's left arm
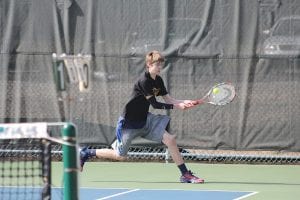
168 99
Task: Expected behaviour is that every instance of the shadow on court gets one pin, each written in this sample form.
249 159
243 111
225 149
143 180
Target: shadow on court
254 183
146 182
208 182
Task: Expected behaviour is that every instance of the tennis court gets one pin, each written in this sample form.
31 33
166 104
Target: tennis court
136 180
147 194
71 68
134 194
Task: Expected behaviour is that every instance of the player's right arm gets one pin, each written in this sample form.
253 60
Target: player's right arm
146 88
180 104
158 105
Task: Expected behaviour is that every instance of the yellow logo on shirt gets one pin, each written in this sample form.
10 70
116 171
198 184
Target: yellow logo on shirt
156 91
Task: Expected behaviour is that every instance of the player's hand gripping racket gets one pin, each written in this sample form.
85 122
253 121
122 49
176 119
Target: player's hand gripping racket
220 94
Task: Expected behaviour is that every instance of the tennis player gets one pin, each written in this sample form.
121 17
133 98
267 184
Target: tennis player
137 121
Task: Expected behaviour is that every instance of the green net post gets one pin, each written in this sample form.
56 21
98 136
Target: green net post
70 163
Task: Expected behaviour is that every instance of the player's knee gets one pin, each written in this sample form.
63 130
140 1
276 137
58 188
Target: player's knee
169 139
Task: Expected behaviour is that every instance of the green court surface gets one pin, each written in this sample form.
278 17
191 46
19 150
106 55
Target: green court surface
271 182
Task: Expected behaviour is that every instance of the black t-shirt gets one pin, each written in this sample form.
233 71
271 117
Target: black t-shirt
137 108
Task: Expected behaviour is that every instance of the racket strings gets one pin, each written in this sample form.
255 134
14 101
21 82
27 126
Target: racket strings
225 94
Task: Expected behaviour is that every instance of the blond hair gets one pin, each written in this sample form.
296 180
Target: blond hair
154 56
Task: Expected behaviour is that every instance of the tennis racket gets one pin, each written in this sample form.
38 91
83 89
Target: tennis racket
220 94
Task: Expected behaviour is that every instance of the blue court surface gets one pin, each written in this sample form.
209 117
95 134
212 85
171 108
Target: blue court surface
150 194
126 194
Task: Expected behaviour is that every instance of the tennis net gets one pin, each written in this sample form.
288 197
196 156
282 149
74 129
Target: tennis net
25 169
25 165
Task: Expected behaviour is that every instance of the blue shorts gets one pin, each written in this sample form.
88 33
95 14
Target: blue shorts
153 130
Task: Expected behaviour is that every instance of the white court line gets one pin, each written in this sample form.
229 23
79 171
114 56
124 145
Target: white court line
245 196
118 194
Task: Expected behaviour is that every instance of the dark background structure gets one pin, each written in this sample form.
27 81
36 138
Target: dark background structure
253 44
